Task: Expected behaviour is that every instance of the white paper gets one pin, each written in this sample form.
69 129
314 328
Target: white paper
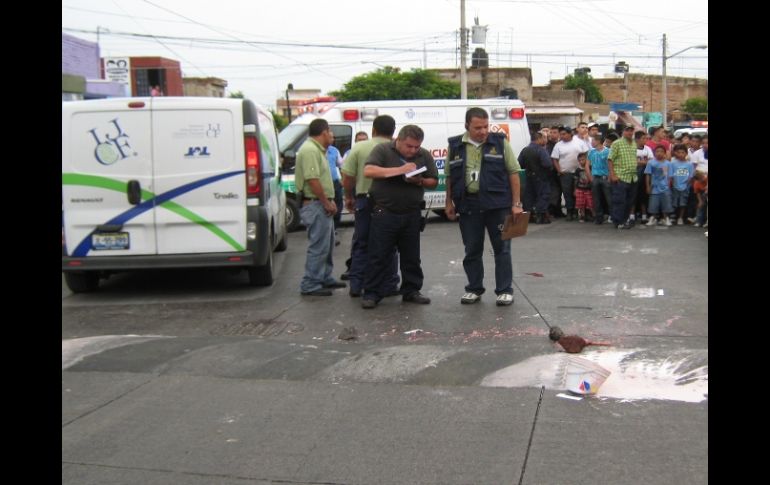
416 172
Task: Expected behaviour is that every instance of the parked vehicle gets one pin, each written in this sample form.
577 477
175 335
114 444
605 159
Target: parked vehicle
169 182
439 119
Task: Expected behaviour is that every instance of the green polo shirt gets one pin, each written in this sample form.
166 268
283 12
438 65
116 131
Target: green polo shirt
623 156
473 163
312 164
353 165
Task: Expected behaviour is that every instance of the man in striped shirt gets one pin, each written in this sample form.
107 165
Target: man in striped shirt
623 178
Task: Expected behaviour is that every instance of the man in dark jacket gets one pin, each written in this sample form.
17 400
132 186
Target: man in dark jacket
539 171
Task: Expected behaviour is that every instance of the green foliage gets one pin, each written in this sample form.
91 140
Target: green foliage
280 120
236 94
696 105
584 81
390 83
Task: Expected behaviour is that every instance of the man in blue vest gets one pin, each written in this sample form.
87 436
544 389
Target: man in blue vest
483 188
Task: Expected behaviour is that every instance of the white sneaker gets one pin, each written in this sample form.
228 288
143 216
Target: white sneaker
609 220
504 299
652 221
469 298
691 220
644 218
679 222
706 234
667 221
697 224
706 224
632 217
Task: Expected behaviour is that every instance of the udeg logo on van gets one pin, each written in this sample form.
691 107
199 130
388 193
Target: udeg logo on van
113 148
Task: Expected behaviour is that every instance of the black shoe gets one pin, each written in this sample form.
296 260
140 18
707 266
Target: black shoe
393 292
416 297
320 292
354 293
336 284
368 304
345 276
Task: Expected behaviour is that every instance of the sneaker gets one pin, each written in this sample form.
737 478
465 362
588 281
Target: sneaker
469 298
652 221
416 297
368 304
698 224
504 299
345 276
335 284
691 220
609 220
679 222
706 224
644 217
319 292
632 217
582 219
667 221
706 234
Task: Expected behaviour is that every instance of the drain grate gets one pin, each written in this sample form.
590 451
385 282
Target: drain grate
259 328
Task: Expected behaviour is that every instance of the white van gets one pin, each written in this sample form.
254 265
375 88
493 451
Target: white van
439 119
169 182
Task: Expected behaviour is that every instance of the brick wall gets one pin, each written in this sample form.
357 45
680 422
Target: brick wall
488 82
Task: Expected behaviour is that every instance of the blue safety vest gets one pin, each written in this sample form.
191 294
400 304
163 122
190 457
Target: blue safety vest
494 179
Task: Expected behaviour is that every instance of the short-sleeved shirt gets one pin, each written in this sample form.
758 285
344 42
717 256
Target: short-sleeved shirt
473 162
353 165
598 161
313 164
333 155
395 193
659 175
681 173
566 152
623 156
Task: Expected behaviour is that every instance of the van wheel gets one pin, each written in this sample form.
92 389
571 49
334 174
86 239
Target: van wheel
292 215
262 275
82 282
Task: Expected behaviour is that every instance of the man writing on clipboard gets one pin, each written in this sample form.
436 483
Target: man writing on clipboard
395 221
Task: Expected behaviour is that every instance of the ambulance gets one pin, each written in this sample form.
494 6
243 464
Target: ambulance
169 182
439 119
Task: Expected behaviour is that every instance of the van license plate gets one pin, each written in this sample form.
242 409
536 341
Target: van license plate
110 240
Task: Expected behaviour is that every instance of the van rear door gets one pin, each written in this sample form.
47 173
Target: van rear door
199 175
107 160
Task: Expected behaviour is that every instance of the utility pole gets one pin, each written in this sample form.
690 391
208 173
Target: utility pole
664 87
463 53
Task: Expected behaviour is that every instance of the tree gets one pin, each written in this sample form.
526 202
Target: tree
280 121
236 94
581 79
390 83
696 105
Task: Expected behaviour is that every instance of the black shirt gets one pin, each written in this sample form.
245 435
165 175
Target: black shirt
395 193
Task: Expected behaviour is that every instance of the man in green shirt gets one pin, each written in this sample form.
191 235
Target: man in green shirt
357 199
314 180
623 178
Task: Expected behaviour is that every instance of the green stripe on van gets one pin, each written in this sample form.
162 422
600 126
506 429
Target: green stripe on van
120 186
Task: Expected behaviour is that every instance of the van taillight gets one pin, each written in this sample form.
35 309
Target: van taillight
350 115
517 113
253 173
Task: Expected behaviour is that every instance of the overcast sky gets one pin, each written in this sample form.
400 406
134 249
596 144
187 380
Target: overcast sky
259 46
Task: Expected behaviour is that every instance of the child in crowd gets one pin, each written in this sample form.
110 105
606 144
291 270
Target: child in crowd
583 197
681 175
700 189
658 185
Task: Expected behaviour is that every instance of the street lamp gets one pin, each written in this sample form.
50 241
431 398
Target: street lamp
665 87
290 87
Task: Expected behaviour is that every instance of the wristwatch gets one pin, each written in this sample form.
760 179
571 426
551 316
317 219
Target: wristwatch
518 204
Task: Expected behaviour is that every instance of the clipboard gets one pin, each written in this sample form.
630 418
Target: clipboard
515 228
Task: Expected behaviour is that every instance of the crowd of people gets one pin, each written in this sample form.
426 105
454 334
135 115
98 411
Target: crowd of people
622 179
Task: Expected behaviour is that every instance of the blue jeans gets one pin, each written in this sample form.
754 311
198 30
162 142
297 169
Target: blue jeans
701 214
623 196
320 236
473 222
600 189
359 251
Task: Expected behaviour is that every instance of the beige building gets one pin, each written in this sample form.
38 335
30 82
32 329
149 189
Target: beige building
204 87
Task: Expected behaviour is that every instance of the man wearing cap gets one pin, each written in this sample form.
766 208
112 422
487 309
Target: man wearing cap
623 178
565 162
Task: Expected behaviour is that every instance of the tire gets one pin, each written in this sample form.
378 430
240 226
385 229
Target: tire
292 215
262 275
82 282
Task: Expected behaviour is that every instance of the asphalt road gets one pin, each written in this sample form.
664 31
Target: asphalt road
194 377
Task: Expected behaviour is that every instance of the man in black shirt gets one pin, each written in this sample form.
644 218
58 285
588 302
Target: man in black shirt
395 220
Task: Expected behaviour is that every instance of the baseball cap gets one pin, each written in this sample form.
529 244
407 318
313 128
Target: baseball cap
591 124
